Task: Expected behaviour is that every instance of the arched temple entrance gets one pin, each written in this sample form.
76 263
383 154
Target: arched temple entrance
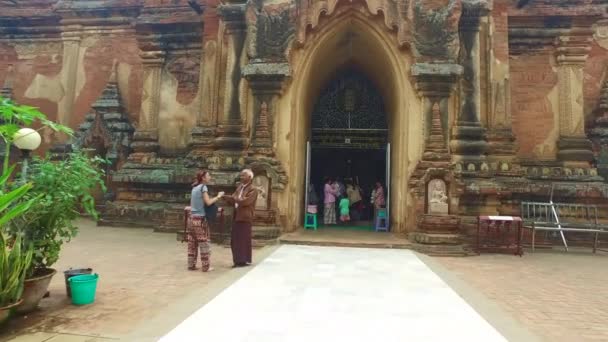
351 40
348 142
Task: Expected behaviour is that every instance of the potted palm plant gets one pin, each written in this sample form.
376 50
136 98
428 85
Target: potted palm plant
14 259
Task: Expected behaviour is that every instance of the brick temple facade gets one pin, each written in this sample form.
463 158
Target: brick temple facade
490 102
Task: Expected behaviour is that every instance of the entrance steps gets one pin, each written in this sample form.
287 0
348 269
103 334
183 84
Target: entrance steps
366 239
443 250
342 238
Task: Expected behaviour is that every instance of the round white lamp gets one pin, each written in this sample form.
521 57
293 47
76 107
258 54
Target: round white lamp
27 140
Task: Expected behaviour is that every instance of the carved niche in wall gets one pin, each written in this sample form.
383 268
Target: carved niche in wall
107 128
262 184
437 198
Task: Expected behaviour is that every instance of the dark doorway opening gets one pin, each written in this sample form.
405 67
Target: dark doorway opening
360 167
348 144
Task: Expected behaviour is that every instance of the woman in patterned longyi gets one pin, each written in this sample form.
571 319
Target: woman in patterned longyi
198 233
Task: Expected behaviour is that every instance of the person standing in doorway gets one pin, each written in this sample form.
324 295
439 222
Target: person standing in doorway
354 198
379 200
329 212
244 202
198 233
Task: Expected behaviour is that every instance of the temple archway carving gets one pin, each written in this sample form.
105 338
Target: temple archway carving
395 13
431 31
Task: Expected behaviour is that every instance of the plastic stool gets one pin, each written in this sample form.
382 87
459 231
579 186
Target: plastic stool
310 221
381 220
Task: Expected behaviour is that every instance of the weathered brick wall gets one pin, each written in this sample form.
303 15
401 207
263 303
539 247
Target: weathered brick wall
595 74
35 70
501 31
97 64
550 8
533 78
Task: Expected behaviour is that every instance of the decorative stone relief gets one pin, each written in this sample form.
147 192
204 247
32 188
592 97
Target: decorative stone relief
262 184
270 29
272 168
436 30
437 197
394 12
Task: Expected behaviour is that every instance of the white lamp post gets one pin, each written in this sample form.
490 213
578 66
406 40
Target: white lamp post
27 140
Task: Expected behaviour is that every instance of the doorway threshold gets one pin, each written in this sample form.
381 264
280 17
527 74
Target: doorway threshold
346 238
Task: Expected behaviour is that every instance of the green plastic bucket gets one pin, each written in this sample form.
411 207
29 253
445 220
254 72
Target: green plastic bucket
83 288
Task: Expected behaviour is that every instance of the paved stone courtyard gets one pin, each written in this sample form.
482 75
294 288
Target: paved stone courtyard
560 296
145 291
141 273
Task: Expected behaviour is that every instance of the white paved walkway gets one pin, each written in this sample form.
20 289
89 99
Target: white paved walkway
302 293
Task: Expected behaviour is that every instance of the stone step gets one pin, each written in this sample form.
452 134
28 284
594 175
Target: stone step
435 238
358 244
444 250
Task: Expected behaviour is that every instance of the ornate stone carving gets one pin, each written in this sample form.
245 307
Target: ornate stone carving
262 184
271 29
266 82
436 30
395 13
272 168
437 197
262 137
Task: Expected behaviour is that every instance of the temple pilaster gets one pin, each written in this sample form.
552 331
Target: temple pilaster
468 135
571 53
231 134
145 139
434 83
266 82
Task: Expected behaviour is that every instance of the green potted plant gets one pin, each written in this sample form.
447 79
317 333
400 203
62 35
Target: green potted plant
14 259
62 188
12 118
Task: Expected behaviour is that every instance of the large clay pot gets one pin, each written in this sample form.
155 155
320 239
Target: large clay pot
34 289
5 312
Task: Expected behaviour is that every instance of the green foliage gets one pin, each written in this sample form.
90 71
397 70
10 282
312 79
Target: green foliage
61 189
14 263
14 116
14 260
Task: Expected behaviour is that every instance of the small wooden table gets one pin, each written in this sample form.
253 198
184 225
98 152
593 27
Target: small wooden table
498 229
